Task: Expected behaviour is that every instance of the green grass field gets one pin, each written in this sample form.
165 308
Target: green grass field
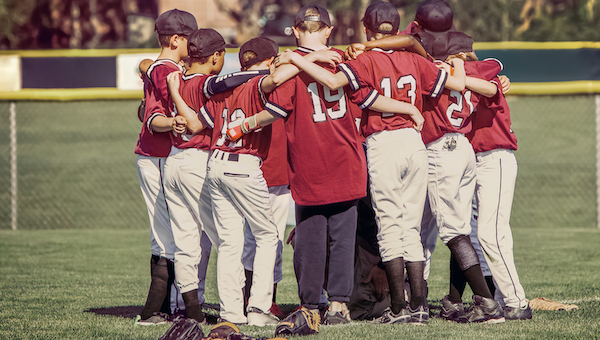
81 250
52 281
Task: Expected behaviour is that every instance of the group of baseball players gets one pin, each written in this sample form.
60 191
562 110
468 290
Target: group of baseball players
407 139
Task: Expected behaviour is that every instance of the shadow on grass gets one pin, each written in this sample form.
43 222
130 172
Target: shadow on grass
210 309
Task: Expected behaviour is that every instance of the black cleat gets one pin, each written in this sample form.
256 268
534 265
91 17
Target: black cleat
452 311
484 310
515 313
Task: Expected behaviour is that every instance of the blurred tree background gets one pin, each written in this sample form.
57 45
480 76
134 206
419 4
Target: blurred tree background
43 24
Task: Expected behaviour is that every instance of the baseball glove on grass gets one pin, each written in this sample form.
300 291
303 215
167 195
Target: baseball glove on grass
301 322
545 304
184 329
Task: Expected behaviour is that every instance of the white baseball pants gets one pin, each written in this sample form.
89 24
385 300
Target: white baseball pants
150 170
397 165
239 190
279 201
191 216
451 186
496 178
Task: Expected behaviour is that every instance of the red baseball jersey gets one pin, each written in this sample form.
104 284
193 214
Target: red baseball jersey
399 75
191 91
244 101
275 168
156 92
451 111
326 161
492 125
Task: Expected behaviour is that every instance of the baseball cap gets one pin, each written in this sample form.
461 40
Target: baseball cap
204 42
441 46
264 48
323 15
434 15
176 22
381 12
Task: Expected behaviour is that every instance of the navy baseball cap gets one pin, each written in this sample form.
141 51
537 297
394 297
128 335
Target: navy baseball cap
435 15
264 48
441 46
176 22
204 42
379 13
323 15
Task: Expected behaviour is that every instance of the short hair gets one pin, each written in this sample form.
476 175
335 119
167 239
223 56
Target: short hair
164 40
249 55
311 26
201 60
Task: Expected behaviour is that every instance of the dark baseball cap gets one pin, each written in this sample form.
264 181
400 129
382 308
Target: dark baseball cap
440 46
263 47
379 13
204 42
435 15
176 22
323 15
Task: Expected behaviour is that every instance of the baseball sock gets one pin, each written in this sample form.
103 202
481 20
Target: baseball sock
490 283
465 257
158 287
477 282
166 306
247 286
394 270
192 306
458 282
414 271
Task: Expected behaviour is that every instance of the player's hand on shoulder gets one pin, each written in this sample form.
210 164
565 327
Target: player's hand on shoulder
354 50
174 80
327 56
284 57
505 82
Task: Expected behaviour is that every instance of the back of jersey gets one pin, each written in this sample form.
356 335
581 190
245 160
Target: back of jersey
400 75
326 161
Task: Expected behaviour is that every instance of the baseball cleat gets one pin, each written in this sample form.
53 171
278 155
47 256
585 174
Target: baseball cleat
154 320
257 317
452 311
484 310
388 317
337 317
420 315
516 313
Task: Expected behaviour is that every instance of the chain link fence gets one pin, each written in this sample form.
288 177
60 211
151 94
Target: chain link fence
76 166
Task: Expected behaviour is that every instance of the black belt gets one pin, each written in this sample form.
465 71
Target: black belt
232 157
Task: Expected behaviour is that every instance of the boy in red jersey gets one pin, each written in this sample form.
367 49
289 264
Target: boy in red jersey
152 148
494 143
226 199
398 183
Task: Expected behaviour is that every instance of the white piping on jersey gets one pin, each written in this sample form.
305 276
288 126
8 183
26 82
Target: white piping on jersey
496 60
440 82
383 51
305 49
263 97
157 63
149 121
205 87
352 78
193 75
368 102
206 117
276 110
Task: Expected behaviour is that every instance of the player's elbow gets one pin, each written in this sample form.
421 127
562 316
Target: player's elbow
195 127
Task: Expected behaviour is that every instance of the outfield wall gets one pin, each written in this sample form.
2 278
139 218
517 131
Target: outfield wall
534 68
